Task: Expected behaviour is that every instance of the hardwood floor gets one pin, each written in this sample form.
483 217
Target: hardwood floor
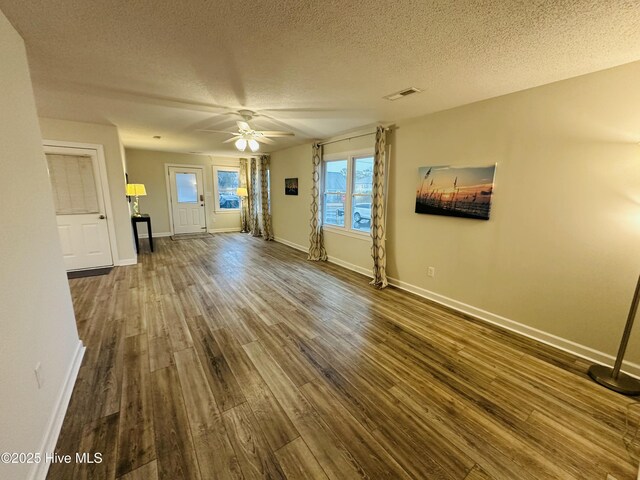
232 357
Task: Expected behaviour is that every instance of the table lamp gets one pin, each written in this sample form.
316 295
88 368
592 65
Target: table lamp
136 190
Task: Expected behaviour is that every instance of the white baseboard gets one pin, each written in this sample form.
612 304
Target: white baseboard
350 266
574 348
126 261
291 244
155 235
39 470
225 230
337 261
525 330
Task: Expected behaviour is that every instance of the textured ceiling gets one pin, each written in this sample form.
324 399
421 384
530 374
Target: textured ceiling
318 68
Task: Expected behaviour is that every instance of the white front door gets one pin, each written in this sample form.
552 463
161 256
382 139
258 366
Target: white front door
187 200
80 208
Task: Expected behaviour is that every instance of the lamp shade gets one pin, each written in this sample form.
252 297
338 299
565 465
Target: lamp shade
242 192
134 189
241 144
254 145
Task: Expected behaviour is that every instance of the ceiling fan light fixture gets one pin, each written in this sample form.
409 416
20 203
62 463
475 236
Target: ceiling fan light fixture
241 144
246 136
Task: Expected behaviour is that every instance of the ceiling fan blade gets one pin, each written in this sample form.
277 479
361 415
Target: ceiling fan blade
216 131
243 125
275 133
264 140
232 139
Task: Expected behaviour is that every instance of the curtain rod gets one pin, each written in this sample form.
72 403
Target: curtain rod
355 136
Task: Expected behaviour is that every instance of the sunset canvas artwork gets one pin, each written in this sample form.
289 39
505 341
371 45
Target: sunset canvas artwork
455 191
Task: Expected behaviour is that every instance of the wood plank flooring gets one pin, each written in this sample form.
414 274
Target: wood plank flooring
229 357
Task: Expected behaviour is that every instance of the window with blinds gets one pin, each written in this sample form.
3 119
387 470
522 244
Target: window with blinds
73 184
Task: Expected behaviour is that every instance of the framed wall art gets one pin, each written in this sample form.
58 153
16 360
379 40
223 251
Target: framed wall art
455 191
291 186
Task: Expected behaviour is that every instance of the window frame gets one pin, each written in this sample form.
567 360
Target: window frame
178 189
350 157
326 160
216 195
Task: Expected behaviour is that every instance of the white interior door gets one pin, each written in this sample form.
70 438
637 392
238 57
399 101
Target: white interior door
80 210
187 200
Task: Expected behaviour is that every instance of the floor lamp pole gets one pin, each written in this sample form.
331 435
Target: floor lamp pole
613 378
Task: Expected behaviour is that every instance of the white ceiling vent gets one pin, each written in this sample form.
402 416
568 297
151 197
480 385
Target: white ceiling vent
402 93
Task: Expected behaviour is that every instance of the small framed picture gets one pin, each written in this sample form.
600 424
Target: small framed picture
291 186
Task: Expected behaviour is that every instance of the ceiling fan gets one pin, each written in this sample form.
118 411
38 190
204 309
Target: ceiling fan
247 136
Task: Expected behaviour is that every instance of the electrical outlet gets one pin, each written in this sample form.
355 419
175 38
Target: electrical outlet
431 272
39 378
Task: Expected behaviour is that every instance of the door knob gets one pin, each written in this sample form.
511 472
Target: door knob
102 217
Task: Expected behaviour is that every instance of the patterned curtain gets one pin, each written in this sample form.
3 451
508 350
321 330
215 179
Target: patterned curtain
316 238
378 250
246 203
265 168
254 222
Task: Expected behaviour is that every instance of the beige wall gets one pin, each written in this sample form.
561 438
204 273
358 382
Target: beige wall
36 315
107 136
148 167
290 214
560 253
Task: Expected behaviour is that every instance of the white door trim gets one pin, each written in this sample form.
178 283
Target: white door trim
106 194
167 180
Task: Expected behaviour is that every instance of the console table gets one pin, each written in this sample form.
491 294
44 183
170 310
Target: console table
144 217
